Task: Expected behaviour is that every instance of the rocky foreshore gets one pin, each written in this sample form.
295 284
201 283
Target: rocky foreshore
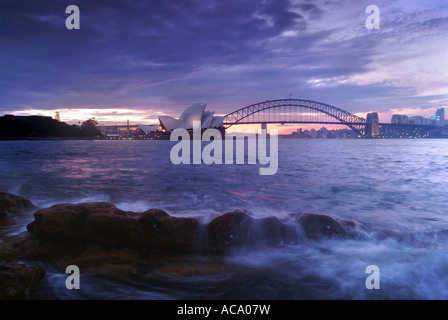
11 205
104 240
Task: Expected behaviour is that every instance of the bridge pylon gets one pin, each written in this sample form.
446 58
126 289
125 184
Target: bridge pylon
264 126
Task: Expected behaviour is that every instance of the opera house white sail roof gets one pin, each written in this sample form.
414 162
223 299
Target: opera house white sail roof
193 113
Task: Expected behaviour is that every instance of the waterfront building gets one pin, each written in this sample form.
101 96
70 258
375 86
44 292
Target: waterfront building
127 131
399 119
193 113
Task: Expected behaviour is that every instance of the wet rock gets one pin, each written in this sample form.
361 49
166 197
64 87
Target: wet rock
105 241
66 221
152 229
5 222
155 230
190 269
101 261
228 231
10 203
236 229
17 279
319 226
277 232
95 254
32 248
102 222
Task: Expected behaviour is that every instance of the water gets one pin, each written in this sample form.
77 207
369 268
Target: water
395 189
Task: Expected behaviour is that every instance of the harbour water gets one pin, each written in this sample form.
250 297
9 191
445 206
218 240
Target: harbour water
395 189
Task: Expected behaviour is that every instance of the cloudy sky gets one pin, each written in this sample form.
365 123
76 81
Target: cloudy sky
139 59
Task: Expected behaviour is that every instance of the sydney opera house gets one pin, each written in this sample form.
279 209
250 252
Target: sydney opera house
193 113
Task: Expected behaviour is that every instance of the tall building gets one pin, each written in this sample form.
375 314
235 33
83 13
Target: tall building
372 125
440 116
399 119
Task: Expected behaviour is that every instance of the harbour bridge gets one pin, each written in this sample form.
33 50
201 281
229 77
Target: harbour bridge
284 111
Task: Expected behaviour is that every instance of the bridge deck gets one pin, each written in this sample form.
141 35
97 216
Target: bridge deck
296 122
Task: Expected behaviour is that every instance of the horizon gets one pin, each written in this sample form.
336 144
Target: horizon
283 129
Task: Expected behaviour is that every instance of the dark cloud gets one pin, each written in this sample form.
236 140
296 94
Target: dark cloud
310 8
126 43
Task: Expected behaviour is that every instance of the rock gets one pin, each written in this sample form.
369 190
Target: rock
228 231
190 269
236 229
276 232
66 221
95 254
152 229
318 226
4 222
102 261
103 240
102 222
10 203
17 279
32 248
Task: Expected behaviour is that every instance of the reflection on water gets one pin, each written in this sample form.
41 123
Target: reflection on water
395 188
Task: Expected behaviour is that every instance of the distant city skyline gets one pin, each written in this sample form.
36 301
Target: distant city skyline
139 60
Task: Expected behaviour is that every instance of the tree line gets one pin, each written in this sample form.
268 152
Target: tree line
45 127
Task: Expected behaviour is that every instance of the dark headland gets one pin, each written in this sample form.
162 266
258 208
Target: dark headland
39 127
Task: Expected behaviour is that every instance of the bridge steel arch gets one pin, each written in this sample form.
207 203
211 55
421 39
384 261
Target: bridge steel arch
285 108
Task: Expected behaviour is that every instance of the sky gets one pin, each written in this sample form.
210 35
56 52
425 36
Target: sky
140 59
